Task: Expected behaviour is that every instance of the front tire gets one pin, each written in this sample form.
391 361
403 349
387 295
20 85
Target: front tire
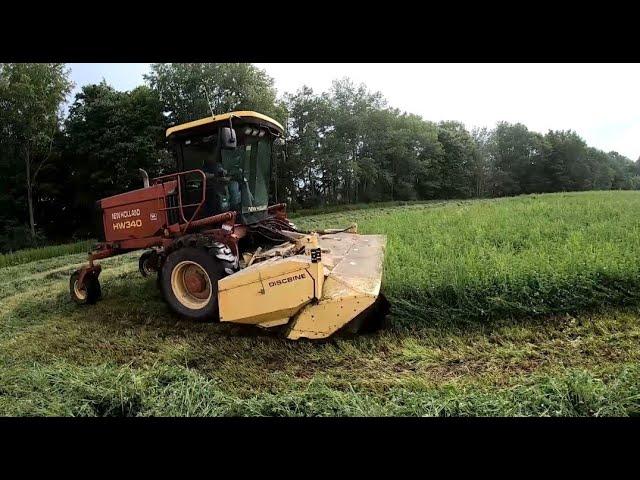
189 283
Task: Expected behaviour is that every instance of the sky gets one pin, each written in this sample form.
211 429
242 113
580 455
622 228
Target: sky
601 102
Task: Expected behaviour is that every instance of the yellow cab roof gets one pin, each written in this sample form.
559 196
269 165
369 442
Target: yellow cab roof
244 114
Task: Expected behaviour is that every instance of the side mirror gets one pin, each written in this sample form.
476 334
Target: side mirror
228 138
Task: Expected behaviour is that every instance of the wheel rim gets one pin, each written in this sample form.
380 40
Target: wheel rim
80 293
191 285
146 267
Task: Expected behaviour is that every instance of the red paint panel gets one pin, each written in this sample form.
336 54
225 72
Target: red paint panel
136 214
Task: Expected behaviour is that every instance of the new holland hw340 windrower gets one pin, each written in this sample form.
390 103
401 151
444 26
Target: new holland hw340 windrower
222 252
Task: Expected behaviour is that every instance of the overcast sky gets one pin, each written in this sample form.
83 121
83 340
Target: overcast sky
599 101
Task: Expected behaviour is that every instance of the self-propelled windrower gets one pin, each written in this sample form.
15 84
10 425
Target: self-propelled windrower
222 252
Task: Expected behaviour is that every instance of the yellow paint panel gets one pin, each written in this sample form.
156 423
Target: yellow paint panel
274 323
327 317
264 271
317 298
223 117
267 300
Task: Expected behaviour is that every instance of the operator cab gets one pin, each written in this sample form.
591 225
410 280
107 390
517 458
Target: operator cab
235 152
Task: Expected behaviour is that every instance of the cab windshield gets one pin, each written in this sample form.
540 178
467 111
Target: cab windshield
248 168
239 177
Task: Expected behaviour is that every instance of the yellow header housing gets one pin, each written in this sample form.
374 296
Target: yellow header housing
222 117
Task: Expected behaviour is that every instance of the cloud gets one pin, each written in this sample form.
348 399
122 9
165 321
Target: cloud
601 102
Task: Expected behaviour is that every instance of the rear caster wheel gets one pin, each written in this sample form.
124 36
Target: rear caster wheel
148 263
88 293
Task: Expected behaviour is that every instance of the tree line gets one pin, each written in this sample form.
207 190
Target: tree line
345 145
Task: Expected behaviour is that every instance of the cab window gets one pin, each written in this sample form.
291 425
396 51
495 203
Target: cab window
200 153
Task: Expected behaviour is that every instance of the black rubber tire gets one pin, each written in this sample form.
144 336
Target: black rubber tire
209 264
161 261
146 264
92 289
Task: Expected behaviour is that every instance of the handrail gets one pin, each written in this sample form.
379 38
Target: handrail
163 178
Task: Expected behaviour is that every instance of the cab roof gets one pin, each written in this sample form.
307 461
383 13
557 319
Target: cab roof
247 116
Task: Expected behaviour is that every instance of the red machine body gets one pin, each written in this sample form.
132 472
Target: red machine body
172 211
138 214
142 219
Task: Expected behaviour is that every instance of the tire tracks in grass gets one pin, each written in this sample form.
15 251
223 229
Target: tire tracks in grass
20 279
22 306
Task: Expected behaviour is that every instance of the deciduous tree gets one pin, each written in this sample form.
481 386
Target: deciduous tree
31 97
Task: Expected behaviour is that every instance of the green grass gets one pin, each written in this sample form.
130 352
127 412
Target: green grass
529 255
450 348
305 212
32 254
